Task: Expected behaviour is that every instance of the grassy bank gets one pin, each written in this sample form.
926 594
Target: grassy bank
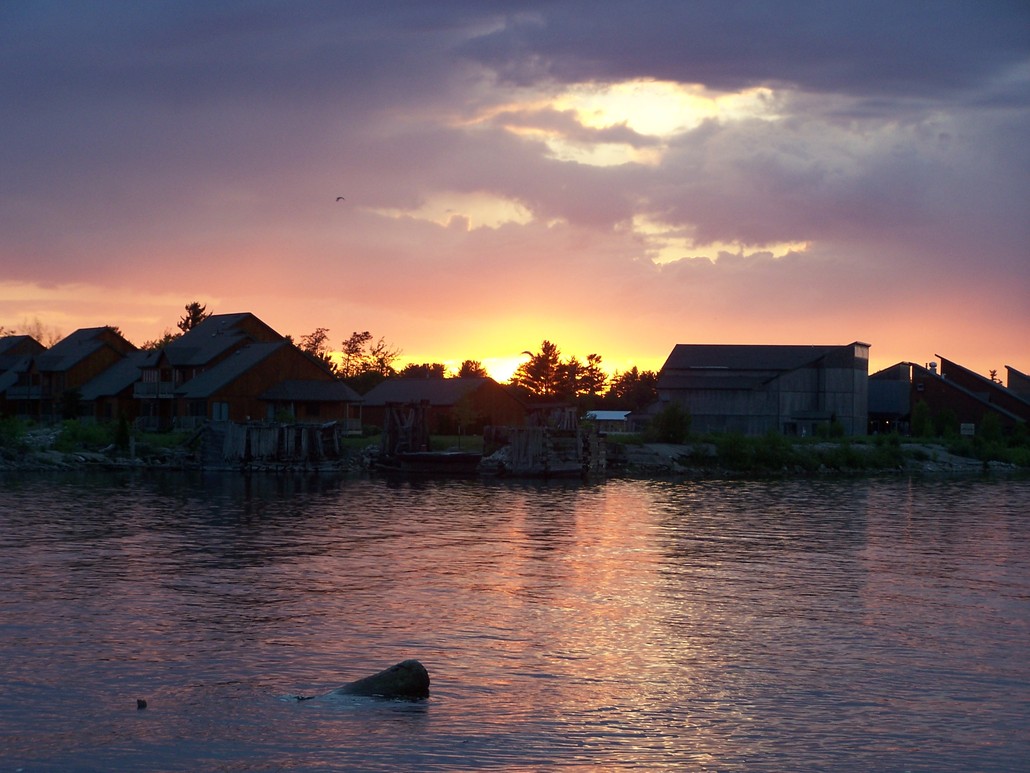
775 454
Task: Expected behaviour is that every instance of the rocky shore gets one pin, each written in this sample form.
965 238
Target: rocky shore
663 460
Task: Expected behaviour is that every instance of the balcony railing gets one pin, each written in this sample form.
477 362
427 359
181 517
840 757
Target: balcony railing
143 389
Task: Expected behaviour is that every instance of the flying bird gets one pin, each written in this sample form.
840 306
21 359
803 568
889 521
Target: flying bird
339 198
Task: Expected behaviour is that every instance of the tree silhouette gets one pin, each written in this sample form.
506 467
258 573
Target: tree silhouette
317 345
159 343
541 375
48 336
196 313
633 390
354 354
472 369
365 364
585 380
546 375
424 370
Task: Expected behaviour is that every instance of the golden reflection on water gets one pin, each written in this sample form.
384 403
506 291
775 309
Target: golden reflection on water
738 626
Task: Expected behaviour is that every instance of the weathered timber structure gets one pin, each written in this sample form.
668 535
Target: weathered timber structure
541 452
792 390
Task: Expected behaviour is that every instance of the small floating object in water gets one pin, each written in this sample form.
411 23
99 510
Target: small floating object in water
140 704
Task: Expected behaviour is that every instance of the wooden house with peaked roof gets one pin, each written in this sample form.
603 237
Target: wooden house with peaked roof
454 405
16 354
315 402
16 347
51 385
189 356
244 386
110 395
755 389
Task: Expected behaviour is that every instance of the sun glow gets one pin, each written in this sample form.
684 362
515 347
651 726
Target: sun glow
660 108
651 109
605 124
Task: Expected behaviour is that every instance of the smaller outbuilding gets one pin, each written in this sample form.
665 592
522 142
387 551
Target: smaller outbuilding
453 406
315 402
609 422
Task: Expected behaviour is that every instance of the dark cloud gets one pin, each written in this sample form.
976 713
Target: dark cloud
878 47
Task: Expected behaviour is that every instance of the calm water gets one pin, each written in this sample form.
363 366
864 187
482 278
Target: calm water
876 625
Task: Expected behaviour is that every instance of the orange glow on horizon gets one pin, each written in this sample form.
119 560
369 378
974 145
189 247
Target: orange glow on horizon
497 337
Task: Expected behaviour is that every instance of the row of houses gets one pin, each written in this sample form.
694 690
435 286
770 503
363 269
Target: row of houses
229 368
235 368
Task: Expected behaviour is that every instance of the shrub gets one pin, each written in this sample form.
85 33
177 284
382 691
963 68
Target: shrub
830 429
887 453
773 451
990 430
946 423
1020 456
670 425
122 433
12 432
734 450
844 457
75 435
922 423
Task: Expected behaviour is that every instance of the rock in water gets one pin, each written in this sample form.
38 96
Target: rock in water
407 679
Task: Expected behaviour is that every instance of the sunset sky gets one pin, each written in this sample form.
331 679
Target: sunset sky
615 177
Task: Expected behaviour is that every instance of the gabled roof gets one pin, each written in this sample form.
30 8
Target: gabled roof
737 366
437 391
16 355
122 375
312 391
212 337
18 346
201 351
216 335
744 356
216 324
72 349
228 370
8 379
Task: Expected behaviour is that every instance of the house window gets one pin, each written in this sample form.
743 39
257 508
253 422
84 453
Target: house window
220 411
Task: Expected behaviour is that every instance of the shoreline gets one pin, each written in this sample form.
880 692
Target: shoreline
661 461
